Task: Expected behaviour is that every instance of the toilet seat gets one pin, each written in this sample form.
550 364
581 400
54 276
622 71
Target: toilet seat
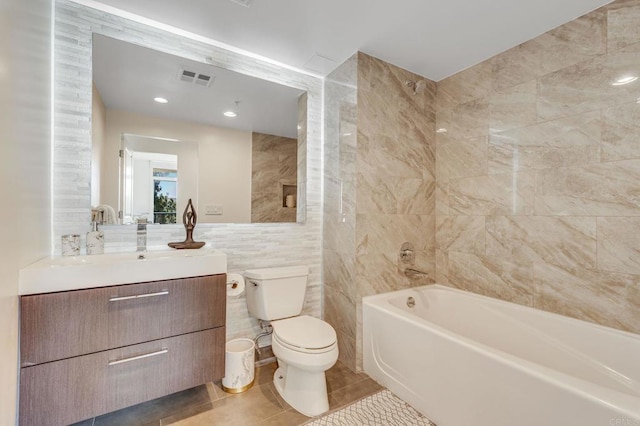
305 350
304 334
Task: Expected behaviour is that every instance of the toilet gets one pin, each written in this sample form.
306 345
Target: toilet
304 346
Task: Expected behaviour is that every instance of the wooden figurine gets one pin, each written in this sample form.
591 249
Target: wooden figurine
189 219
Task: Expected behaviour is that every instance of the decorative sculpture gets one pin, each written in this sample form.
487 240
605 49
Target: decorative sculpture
189 219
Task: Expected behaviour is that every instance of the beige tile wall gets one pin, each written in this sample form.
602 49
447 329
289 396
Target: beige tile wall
273 164
339 215
538 174
379 189
532 194
395 189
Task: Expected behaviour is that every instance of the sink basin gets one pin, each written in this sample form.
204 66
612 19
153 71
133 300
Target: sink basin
75 272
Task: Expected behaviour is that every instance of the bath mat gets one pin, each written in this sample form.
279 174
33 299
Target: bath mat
380 409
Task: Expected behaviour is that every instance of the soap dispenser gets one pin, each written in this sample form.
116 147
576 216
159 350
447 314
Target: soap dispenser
95 240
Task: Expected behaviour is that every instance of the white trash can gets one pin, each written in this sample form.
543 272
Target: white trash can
239 371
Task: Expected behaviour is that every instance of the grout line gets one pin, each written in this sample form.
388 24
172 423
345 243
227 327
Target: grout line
211 391
276 395
275 415
221 394
362 378
173 413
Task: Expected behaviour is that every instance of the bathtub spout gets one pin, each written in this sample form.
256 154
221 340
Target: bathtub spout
414 273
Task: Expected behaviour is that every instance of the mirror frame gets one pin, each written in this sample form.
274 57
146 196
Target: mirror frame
75 25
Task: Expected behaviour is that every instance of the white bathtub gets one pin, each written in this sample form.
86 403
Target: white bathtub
466 360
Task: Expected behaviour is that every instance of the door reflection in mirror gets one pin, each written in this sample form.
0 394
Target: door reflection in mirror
157 178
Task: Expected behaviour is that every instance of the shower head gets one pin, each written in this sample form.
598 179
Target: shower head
417 86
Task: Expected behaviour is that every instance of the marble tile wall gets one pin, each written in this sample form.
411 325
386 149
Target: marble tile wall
247 245
379 189
339 232
538 172
274 163
395 180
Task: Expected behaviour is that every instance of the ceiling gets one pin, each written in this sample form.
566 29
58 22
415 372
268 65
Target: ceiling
128 77
432 38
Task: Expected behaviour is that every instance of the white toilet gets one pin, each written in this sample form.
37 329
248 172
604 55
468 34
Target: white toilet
305 346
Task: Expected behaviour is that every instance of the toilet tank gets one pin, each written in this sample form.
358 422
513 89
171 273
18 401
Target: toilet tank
275 293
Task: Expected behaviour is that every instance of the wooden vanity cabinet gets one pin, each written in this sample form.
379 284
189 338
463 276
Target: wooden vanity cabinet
89 352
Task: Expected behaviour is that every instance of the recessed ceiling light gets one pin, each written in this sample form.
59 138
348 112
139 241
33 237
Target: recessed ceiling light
231 113
441 130
160 100
625 80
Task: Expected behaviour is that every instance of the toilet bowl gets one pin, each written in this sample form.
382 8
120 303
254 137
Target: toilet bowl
305 348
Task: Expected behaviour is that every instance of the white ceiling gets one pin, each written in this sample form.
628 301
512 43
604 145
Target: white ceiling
128 77
432 38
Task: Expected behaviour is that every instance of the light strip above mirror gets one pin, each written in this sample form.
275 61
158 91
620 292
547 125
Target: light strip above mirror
183 33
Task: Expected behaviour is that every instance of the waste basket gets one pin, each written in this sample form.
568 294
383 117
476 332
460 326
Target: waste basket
239 372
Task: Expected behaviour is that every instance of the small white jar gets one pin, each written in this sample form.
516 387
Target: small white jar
71 245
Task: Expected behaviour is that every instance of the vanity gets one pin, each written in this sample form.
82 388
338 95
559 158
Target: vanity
92 346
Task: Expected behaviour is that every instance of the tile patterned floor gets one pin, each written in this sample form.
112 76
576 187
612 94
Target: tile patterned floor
260 405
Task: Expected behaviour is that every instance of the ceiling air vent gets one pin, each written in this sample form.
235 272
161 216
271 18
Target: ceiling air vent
195 78
203 80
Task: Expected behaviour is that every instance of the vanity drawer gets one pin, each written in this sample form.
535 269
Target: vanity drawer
54 326
87 321
71 390
149 311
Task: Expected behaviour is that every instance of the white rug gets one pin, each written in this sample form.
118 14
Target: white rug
380 409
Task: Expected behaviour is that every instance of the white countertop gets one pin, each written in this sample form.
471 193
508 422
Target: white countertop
63 273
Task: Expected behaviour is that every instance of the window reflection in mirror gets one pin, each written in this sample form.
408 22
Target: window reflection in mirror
165 190
238 169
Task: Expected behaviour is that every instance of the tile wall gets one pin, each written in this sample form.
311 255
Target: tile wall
339 218
538 173
379 189
273 165
395 180
532 187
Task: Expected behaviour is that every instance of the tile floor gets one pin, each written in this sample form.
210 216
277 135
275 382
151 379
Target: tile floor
261 405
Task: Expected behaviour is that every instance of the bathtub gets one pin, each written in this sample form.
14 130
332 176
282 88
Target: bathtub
466 360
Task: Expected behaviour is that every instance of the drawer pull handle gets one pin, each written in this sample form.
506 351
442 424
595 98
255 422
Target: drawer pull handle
134 358
139 296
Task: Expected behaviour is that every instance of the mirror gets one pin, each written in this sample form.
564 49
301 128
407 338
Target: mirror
225 140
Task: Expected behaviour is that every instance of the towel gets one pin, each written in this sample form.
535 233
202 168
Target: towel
105 215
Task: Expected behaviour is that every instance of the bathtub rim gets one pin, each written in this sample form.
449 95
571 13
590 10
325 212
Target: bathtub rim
377 300
626 403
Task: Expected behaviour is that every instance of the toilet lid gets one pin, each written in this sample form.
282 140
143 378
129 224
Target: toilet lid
304 332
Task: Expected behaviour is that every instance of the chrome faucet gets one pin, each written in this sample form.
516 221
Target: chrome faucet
414 273
142 234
